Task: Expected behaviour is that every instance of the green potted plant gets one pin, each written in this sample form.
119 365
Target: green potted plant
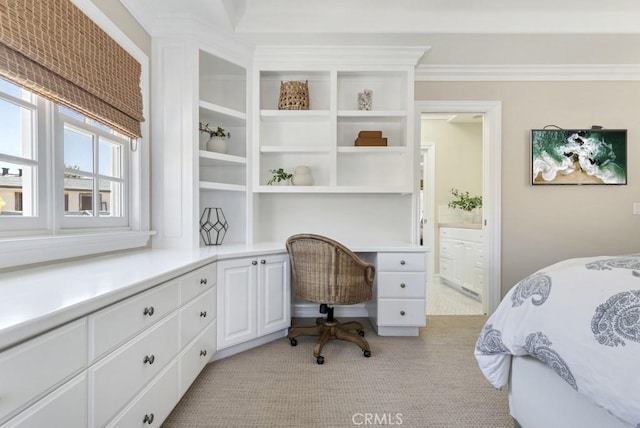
217 141
279 176
463 201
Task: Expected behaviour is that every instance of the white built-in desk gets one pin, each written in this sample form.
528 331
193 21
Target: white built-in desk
117 339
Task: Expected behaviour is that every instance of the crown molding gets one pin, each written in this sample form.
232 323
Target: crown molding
339 55
566 72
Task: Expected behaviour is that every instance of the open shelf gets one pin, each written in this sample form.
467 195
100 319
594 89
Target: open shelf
291 115
294 149
220 159
372 149
210 185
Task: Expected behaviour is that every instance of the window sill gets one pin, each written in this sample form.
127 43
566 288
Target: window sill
15 252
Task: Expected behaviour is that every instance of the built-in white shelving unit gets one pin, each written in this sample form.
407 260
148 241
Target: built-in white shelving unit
358 193
222 92
380 181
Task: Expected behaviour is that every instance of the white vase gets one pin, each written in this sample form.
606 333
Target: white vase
217 144
302 176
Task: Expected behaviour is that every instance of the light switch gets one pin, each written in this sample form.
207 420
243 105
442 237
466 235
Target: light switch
636 208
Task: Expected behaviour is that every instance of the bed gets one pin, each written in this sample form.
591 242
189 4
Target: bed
566 340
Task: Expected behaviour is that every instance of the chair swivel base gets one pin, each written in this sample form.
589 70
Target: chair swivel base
327 330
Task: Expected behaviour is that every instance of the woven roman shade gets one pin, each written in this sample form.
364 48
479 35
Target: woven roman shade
53 49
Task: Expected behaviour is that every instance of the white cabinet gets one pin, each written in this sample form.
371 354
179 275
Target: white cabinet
462 259
117 378
64 407
123 365
30 370
400 293
253 298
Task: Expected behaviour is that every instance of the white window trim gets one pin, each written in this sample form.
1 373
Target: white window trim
67 222
38 248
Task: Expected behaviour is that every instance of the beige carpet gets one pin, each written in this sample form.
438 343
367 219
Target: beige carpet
426 381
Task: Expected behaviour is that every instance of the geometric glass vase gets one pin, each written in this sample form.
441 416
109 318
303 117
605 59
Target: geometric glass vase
213 226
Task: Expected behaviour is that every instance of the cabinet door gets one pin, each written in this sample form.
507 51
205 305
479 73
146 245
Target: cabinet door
236 301
274 295
457 271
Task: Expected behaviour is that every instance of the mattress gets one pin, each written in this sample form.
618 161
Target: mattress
539 398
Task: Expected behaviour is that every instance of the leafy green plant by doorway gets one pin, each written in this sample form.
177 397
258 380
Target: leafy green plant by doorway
464 201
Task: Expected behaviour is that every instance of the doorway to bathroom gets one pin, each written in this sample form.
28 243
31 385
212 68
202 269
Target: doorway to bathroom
460 148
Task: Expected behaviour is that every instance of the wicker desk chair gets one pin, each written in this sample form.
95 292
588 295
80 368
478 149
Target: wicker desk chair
326 272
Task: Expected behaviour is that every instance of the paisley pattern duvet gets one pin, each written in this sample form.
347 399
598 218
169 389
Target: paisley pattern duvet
581 317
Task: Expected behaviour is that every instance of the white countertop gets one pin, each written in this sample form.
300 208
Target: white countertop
38 299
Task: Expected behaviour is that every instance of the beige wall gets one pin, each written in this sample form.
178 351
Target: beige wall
120 16
545 224
458 157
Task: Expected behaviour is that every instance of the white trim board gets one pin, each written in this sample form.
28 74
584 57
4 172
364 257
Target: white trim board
491 177
566 72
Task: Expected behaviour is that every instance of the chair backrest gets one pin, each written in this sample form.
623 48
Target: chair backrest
325 271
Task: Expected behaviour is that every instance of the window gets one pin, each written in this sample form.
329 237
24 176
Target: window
93 167
21 122
60 174
95 172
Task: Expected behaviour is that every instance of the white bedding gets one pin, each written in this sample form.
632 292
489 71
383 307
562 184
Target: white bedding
581 317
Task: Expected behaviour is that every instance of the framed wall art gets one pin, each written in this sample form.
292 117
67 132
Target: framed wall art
578 156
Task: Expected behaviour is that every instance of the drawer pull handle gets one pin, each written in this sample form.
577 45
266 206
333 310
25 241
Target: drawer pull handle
402 313
402 285
263 261
148 311
149 359
254 262
203 281
203 353
203 314
402 262
148 419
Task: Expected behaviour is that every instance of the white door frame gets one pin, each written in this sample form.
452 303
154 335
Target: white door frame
491 184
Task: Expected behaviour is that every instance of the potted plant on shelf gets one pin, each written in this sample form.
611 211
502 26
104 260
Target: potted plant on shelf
217 141
279 176
463 201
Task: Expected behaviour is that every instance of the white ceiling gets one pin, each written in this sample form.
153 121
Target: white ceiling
459 32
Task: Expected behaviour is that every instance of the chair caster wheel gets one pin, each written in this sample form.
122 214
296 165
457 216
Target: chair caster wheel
320 359
367 354
361 333
293 342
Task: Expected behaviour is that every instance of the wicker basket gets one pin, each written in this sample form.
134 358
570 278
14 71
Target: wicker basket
294 96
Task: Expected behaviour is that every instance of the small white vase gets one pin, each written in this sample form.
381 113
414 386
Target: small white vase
302 176
217 144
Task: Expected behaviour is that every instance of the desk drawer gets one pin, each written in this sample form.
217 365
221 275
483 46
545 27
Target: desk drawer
401 262
461 234
64 407
34 368
401 312
196 355
118 377
154 403
446 248
401 284
197 282
115 324
196 315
